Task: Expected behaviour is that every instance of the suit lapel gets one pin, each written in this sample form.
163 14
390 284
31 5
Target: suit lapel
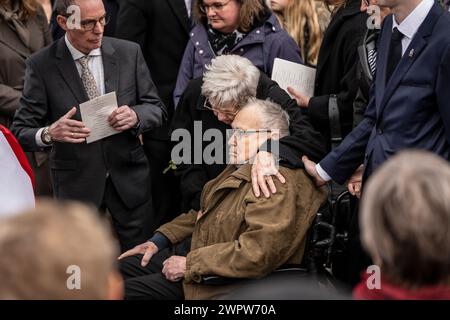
180 10
110 67
69 71
382 55
416 46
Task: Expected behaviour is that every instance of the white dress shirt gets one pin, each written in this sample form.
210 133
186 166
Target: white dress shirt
95 64
408 27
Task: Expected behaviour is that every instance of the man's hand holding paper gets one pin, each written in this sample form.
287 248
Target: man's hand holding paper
123 118
102 116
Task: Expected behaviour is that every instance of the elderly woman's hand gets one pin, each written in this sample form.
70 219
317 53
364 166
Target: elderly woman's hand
302 100
263 168
174 268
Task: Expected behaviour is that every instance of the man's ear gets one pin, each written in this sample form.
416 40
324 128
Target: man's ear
62 22
115 286
274 135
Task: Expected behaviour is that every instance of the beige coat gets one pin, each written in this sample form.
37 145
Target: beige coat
17 42
241 236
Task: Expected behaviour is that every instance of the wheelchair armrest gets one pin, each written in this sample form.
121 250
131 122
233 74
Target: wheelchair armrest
218 280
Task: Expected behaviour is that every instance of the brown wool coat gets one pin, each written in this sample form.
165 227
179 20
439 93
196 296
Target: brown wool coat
241 236
16 45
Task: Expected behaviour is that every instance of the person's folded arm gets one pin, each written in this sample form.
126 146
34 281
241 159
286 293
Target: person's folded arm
150 110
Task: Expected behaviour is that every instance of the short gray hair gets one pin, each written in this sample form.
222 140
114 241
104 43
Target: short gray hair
230 80
273 117
405 218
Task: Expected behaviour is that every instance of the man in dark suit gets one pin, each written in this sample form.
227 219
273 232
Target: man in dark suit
112 173
161 28
409 102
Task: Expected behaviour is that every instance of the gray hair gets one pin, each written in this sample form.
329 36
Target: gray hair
230 80
271 114
405 218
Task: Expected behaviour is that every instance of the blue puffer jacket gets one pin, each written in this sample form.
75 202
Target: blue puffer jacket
261 46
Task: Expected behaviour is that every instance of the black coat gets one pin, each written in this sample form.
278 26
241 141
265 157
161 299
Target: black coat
161 28
336 68
304 140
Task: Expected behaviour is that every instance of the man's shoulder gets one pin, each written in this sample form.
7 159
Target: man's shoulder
120 44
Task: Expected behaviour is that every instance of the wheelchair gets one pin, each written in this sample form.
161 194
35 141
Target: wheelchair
326 240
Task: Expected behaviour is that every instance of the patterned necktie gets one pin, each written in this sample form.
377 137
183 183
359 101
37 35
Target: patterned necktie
88 79
372 59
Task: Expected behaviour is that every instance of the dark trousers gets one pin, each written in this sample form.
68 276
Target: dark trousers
132 226
148 282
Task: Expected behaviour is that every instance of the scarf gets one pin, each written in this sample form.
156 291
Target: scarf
13 21
223 43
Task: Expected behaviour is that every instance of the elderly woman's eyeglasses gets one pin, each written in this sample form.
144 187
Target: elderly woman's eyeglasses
207 105
216 6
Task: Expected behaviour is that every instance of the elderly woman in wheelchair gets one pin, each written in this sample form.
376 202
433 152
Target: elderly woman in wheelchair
234 234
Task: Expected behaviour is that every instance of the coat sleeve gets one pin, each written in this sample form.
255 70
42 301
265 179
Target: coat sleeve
150 110
33 110
303 138
186 72
275 229
179 228
192 176
345 159
9 100
318 105
443 92
282 46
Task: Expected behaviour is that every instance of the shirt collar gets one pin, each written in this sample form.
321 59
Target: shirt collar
414 20
76 54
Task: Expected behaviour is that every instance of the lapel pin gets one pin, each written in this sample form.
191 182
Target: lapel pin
411 53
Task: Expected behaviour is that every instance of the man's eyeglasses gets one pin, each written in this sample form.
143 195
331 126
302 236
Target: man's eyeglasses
239 133
207 105
89 24
216 6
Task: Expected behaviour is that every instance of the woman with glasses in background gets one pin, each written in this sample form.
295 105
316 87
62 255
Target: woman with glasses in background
23 31
246 28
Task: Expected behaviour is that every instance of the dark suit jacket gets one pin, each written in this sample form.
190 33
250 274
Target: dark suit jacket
411 111
303 139
336 68
161 28
53 86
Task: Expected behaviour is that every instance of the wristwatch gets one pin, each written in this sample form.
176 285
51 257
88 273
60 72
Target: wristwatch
45 136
